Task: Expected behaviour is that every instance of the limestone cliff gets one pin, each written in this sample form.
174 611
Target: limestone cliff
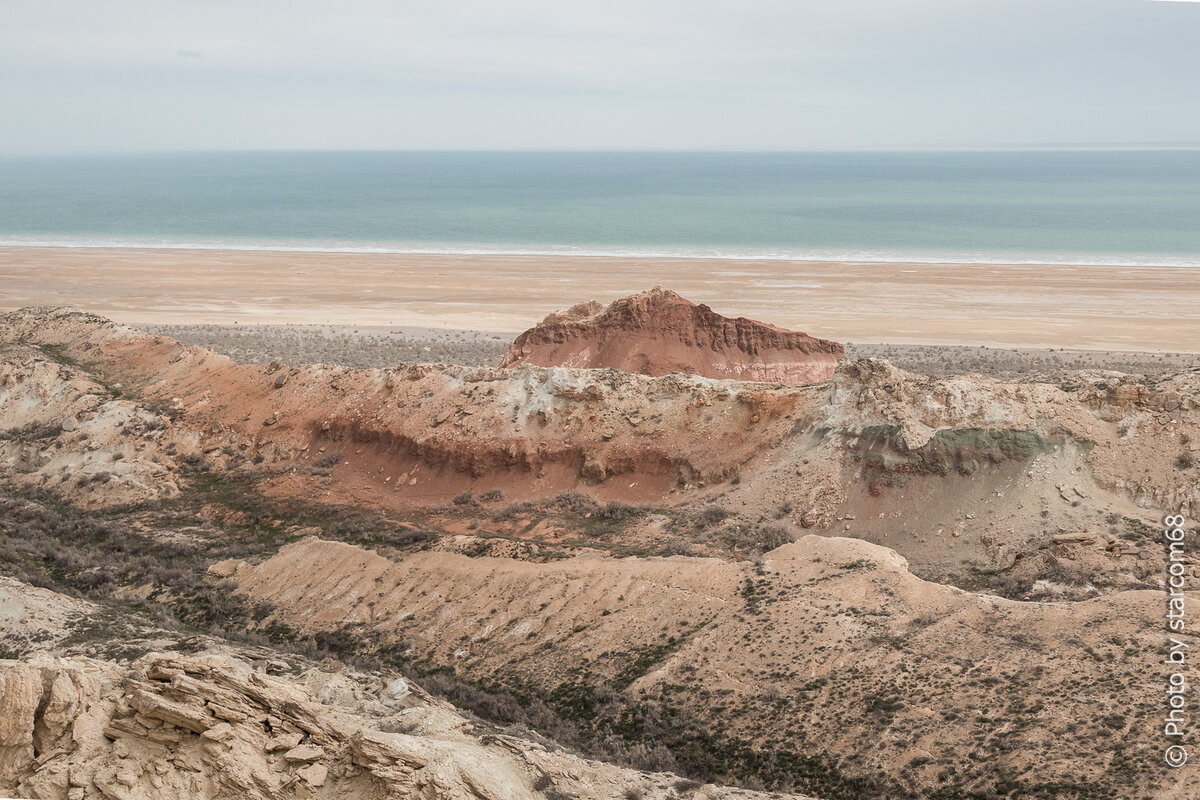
217 725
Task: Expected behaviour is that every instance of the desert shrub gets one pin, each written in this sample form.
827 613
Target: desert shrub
262 609
498 706
492 495
1185 461
924 620
224 606
675 547
713 516
573 501
401 537
465 499
515 509
764 538
617 509
32 432
338 643
652 758
330 459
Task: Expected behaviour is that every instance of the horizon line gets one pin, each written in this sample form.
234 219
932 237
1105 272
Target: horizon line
1109 147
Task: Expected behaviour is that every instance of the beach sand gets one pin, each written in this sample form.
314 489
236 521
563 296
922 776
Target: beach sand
1086 307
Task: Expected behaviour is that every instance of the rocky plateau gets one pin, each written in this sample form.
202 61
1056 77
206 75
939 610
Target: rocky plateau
741 558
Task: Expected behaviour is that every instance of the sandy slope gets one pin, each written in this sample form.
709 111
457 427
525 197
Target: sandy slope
834 646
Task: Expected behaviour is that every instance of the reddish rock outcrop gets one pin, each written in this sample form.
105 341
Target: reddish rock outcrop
658 332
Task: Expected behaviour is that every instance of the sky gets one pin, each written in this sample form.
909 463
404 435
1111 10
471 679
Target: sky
82 76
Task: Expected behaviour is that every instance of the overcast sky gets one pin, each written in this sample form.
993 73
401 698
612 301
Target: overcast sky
103 75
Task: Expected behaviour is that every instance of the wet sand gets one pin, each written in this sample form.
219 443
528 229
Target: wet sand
1085 307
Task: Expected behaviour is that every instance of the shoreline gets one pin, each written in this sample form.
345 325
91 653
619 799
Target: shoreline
565 251
1084 307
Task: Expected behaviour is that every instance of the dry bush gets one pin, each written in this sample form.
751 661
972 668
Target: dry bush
763 539
295 344
330 459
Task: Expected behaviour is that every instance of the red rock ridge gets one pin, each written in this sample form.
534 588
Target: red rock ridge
658 332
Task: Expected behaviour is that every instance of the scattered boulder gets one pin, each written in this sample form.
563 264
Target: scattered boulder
305 753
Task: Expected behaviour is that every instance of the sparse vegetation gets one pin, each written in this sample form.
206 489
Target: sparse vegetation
32 432
1054 365
368 348
362 348
713 515
329 459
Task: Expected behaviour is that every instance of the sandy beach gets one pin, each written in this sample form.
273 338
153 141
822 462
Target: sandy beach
1087 307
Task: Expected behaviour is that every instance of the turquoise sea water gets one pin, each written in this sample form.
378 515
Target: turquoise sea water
1139 207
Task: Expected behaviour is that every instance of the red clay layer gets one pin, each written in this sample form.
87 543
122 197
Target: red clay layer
658 332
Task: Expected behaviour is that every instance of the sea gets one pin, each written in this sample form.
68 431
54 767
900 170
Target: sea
1136 207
